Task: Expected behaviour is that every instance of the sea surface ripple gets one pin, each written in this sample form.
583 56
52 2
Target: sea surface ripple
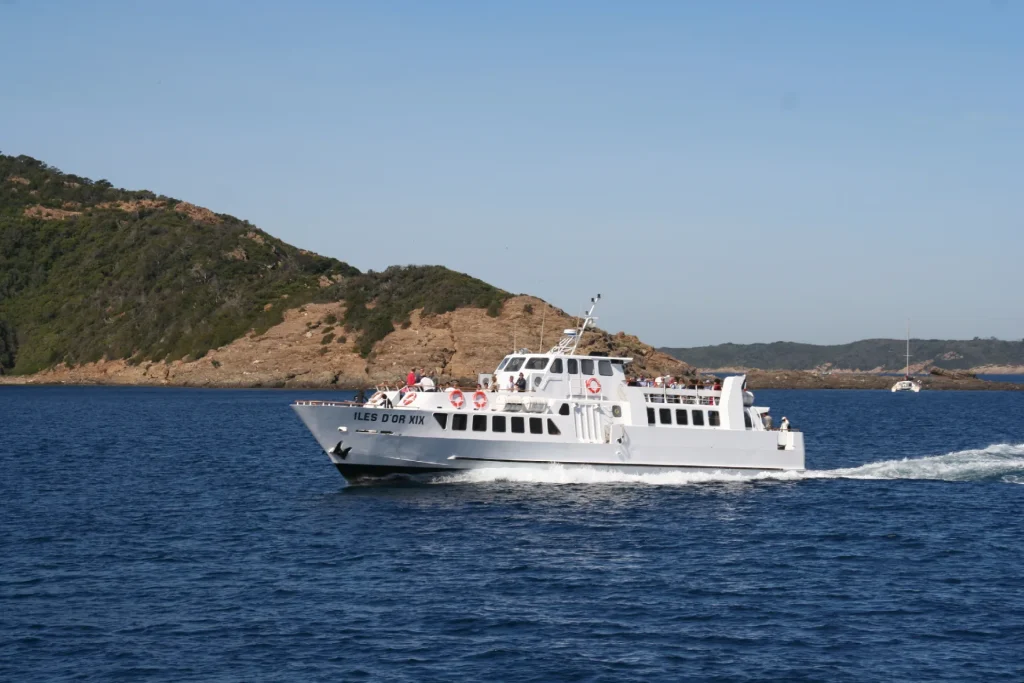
199 535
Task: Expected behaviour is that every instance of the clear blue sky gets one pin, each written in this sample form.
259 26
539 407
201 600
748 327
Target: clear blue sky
726 171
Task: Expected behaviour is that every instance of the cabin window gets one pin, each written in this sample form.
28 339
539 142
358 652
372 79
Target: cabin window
536 425
553 428
504 361
479 423
746 419
514 364
518 425
459 421
681 416
556 366
442 419
650 416
537 363
698 418
604 367
666 415
587 366
564 409
574 366
498 423
713 420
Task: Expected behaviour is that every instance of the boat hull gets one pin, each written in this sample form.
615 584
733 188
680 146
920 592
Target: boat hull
418 445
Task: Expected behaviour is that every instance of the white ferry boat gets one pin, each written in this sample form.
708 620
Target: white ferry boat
577 411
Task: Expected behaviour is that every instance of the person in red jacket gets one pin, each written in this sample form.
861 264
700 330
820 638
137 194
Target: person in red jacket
410 379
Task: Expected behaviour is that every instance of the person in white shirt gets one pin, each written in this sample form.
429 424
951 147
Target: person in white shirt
784 425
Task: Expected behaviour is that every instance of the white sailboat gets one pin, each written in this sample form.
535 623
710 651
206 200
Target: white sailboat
907 384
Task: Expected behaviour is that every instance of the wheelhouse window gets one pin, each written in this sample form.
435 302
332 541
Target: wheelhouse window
537 363
498 423
574 366
479 423
553 428
747 422
536 425
563 409
713 419
698 418
514 364
666 415
650 416
587 366
459 421
504 362
518 425
441 419
681 416
604 367
556 366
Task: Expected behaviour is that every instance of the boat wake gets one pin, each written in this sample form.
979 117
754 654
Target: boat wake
999 462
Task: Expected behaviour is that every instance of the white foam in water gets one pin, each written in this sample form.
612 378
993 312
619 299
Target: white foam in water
1000 460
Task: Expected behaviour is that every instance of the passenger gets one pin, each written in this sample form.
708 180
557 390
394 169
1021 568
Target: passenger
494 383
419 375
766 420
360 397
427 384
521 383
511 383
784 425
411 378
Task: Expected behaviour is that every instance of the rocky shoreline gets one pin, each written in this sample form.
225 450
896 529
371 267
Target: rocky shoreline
756 379
799 379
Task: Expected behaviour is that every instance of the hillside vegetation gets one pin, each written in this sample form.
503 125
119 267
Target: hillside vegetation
89 272
868 354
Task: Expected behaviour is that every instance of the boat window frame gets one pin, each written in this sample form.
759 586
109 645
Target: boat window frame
682 418
456 421
479 423
553 429
603 365
442 420
518 421
556 366
572 366
650 416
512 362
498 424
501 366
584 364
536 425
665 416
714 419
697 418
535 367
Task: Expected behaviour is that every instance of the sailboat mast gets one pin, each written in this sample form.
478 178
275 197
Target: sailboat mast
907 371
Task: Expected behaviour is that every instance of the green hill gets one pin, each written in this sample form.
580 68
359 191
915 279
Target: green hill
90 271
868 354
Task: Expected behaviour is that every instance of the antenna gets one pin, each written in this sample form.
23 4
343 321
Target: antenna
571 337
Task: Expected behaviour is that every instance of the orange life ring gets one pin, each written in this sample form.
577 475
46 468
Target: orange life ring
593 386
409 398
480 400
457 399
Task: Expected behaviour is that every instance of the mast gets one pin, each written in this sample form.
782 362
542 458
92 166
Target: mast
906 373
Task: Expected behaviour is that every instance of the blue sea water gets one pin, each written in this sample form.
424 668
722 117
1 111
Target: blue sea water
199 535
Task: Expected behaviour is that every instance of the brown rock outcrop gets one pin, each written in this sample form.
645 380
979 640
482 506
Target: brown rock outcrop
307 350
